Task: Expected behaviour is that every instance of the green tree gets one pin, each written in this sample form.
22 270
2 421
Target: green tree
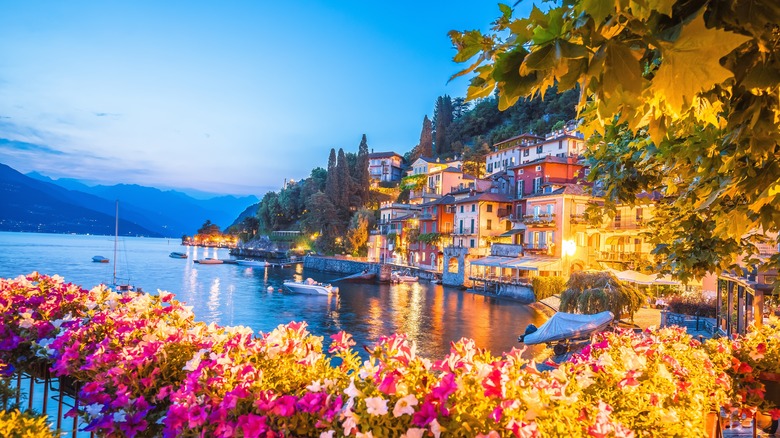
209 229
426 138
332 181
593 292
363 178
357 235
345 184
680 98
442 119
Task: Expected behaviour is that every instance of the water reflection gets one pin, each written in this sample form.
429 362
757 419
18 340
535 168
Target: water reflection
431 315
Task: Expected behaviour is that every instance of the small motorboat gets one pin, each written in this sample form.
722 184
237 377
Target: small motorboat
403 277
177 255
209 261
253 263
99 259
360 277
564 329
310 287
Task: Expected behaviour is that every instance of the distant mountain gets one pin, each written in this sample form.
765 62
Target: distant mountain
248 212
36 206
171 212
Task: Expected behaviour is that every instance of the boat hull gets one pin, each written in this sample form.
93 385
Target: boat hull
99 259
177 255
209 262
310 289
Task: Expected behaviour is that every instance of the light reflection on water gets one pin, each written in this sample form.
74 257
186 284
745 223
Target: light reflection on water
431 315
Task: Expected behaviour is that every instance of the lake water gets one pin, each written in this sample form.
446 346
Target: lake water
432 315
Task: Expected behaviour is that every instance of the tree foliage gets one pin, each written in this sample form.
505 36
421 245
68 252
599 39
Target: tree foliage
593 292
426 138
680 98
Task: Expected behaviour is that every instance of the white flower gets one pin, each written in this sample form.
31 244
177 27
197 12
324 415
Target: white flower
365 435
120 417
352 391
376 405
414 432
315 386
193 363
26 320
328 434
404 406
93 410
368 369
435 428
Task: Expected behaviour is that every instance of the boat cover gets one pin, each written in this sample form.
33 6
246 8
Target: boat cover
569 326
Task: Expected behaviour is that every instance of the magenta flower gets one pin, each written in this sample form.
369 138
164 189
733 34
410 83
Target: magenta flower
425 415
342 341
284 406
253 425
446 386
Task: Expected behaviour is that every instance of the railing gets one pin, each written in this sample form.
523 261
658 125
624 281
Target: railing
578 219
504 212
49 395
427 217
622 256
627 224
534 249
542 219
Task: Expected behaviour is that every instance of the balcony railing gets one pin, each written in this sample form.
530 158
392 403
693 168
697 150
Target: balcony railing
541 220
504 213
530 248
627 224
578 219
464 232
427 216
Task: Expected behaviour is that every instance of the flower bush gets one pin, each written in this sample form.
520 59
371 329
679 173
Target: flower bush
145 367
751 361
15 424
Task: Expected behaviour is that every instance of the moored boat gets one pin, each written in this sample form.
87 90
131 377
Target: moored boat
99 259
403 277
209 261
177 255
310 287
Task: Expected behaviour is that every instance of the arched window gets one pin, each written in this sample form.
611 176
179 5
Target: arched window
453 265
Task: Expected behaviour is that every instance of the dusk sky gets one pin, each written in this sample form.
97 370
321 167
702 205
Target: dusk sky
227 97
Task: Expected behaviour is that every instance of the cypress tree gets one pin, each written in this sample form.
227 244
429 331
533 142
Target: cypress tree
442 119
344 188
332 182
426 138
362 179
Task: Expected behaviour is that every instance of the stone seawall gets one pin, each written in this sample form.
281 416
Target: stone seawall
339 265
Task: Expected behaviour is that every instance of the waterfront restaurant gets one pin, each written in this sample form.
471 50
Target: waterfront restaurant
498 273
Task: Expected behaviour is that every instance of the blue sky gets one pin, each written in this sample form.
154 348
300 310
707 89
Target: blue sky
228 97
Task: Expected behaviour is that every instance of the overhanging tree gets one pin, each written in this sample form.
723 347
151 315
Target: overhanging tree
679 97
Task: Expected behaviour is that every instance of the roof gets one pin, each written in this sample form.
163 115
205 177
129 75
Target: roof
526 135
384 155
565 189
490 197
402 218
547 159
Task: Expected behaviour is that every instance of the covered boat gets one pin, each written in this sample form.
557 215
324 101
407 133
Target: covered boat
99 259
403 277
568 327
209 261
177 255
310 287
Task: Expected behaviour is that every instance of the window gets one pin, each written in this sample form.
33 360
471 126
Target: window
537 184
472 225
433 228
490 208
580 238
550 209
461 209
434 209
560 144
538 168
472 243
542 239
539 149
639 215
521 171
489 224
520 188
526 152
508 226
490 167
461 226
473 207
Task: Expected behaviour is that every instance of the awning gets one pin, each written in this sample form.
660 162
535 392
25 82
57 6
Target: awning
491 261
512 232
535 264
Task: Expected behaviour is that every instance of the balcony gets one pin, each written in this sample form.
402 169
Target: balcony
578 219
427 217
505 213
539 220
535 249
464 232
633 224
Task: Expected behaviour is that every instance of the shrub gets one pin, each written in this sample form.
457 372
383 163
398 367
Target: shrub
545 287
594 292
15 424
693 305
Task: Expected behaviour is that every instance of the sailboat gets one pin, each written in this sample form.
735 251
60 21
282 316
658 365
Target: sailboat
126 287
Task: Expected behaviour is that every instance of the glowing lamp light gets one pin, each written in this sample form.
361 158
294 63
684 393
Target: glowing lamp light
569 247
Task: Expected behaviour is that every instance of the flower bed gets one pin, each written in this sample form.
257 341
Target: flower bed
147 368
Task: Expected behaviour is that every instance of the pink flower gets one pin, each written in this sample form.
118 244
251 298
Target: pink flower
446 387
284 406
388 383
425 415
252 425
342 341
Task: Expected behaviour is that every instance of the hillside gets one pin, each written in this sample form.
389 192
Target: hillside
35 206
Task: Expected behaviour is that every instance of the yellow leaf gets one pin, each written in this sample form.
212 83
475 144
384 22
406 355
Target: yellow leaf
691 63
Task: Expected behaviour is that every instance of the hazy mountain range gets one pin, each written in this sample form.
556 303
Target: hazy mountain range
37 203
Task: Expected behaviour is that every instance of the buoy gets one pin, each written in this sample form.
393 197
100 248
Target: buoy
270 288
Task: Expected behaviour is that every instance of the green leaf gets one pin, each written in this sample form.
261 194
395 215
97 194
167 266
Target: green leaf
691 63
643 9
468 44
543 58
506 10
549 27
621 67
598 9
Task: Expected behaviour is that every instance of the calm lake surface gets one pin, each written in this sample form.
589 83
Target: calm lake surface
432 315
